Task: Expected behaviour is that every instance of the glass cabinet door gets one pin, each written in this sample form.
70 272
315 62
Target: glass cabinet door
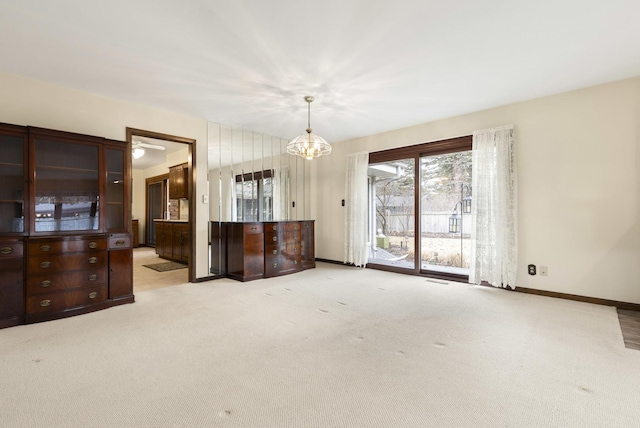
12 183
66 186
115 196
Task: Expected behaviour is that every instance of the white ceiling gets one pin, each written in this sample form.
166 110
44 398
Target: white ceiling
373 65
153 157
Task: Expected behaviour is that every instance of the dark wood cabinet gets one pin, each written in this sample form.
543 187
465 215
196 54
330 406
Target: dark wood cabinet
307 244
248 251
120 266
178 181
63 195
173 240
11 283
245 251
135 230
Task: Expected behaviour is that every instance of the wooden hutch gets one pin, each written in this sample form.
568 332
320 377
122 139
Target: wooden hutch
65 224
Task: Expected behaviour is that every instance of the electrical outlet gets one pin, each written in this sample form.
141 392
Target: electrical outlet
544 270
532 269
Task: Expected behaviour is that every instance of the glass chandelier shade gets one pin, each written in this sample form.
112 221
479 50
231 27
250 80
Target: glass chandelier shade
309 145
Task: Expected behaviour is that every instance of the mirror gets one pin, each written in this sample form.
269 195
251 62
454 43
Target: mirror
252 178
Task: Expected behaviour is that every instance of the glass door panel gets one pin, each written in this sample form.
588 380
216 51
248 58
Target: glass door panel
445 217
66 186
115 189
392 213
12 184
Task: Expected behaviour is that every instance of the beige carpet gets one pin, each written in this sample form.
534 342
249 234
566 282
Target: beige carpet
330 347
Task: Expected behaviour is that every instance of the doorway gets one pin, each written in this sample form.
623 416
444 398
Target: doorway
151 197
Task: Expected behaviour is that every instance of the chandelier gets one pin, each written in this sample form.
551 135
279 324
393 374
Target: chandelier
309 145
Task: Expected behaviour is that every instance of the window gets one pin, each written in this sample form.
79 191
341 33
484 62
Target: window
254 196
419 208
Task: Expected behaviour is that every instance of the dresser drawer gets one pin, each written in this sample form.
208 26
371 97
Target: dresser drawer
274 250
252 228
281 264
120 241
291 226
42 247
54 302
60 281
65 262
273 265
10 249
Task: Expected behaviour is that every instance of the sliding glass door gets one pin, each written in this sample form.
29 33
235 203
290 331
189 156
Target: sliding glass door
392 213
445 212
420 208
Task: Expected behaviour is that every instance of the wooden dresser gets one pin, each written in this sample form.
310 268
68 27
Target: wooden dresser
252 250
65 273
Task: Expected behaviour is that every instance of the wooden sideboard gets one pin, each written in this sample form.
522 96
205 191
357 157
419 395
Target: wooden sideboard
252 250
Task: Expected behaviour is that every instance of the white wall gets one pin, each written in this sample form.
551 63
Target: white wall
579 186
31 102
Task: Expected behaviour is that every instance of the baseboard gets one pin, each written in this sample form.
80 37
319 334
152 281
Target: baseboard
566 296
578 298
335 262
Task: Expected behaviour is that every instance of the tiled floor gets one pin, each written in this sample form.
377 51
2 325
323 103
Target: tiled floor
630 326
148 279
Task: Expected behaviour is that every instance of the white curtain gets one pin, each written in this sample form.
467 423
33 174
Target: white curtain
494 243
355 232
280 183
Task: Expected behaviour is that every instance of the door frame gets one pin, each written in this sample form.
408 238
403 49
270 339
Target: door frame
191 161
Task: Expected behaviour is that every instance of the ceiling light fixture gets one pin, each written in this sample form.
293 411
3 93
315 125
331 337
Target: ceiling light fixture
138 152
308 145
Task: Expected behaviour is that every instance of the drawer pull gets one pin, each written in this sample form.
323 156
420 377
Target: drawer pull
45 248
295 262
45 303
93 260
93 277
93 295
275 251
275 227
275 265
45 265
295 249
275 238
6 250
295 227
46 283
254 228
119 242
93 245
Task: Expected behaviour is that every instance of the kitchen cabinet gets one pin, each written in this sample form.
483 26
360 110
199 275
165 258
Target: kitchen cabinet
173 240
179 181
